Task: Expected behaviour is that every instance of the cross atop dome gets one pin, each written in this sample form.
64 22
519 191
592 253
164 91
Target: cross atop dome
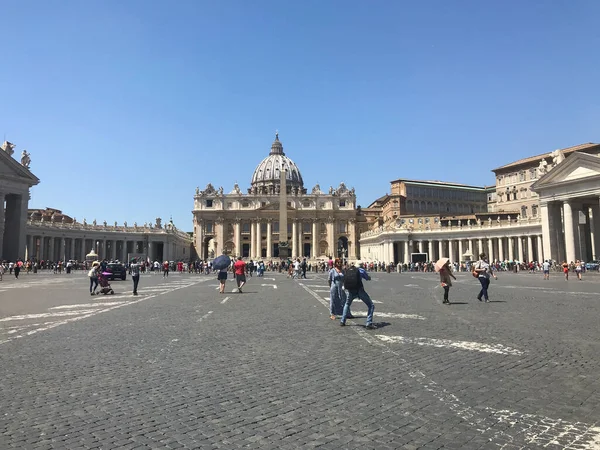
277 147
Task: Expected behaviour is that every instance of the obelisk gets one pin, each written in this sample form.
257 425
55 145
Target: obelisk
284 250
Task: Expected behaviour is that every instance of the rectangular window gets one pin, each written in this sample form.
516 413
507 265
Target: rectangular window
209 203
306 227
209 227
343 225
522 175
342 203
275 227
534 211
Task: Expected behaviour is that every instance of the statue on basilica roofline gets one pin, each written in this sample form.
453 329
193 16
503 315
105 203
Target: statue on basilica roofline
8 147
25 159
557 157
542 167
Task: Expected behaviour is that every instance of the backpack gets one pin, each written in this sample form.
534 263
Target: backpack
352 279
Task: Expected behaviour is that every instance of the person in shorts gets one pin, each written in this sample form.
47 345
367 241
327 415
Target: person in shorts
222 277
239 268
546 269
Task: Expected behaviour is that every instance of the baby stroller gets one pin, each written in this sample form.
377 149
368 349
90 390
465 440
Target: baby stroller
105 287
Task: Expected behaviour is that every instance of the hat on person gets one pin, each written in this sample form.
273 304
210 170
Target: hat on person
482 255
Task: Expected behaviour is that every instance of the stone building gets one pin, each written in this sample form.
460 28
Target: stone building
542 207
48 234
514 180
320 224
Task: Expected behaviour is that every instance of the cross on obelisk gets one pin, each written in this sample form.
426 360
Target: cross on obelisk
284 250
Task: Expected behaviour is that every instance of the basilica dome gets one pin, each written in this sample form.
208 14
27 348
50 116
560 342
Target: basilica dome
267 173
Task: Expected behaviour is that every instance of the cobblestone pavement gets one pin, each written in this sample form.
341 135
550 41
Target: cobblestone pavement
182 366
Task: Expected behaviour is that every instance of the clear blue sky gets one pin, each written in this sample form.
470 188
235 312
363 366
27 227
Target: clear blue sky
127 106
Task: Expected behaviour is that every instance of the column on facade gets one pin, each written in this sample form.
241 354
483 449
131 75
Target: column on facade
592 217
294 239
490 250
61 248
199 240
440 249
2 194
258 239
420 244
353 241
51 253
23 204
220 241
237 237
315 239
569 231
330 243
430 254
520 254
472 247
501 249
28 243
546 232
252 253
479 248
460 250
451 250
406 253
529 248
269 238
540 254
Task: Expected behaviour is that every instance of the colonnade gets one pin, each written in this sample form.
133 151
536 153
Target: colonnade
571 227
53 248
522 248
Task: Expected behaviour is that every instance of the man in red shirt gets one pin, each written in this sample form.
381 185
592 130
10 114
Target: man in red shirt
239 269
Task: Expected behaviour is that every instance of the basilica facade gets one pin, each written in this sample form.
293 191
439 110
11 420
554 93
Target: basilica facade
320 224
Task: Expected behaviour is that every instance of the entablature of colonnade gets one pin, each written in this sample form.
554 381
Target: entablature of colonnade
577 177
490 229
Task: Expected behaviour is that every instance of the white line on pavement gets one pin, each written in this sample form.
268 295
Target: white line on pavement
86 305
399 316
463 345
205 316
374 301
224 300
274 285
41 315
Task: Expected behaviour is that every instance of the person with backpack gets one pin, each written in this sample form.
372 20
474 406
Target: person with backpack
354 285
483 271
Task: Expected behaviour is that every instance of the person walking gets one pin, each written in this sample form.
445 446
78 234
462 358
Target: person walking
134 267
546 269
353 283
222 277
18 266
337 294
166 269
93 274
445 275
565 268
239 269
578 269
484 273
303 267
